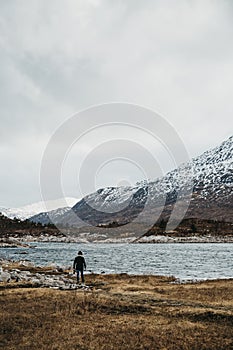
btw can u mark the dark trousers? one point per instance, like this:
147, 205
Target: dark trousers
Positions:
82, 276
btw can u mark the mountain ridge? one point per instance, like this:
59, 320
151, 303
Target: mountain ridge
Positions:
210, 185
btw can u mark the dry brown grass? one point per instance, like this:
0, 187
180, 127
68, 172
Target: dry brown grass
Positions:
121, 312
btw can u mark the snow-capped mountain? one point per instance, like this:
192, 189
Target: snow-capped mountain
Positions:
52, 216
30, 210
207, 178
213, 171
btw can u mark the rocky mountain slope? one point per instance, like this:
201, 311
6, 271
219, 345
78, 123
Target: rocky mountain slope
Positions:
211, 181
49, 217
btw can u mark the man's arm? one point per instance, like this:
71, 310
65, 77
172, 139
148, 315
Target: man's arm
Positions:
84, 263
74, 264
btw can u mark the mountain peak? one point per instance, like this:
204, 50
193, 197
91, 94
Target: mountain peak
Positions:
221, 153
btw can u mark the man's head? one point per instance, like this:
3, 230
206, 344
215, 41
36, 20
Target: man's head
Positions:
80, 253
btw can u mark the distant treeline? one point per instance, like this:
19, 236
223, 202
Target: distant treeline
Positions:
194, 226
10, 226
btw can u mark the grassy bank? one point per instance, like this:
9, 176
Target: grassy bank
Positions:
119, 312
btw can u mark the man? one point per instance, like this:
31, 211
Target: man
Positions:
79, 265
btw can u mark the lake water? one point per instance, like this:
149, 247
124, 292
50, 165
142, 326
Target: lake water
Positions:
192, 261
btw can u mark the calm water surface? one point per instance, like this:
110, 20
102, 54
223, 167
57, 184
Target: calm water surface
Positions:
185, 261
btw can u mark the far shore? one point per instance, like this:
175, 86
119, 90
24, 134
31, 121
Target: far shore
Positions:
21, 241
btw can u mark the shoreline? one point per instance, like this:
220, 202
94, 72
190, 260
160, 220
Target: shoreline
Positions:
61, 277
16, 241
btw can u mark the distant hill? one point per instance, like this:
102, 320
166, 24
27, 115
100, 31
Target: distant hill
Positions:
49, 217
30, 210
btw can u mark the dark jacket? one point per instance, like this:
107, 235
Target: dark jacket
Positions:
79, 263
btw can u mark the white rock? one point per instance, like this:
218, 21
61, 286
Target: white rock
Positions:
5, 276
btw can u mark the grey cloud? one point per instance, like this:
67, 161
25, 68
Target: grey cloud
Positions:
59, 57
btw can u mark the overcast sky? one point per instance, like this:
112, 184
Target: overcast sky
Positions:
58, 57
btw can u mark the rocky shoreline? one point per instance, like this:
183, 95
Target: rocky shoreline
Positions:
12, 243
21, 241
187, 239
25, 274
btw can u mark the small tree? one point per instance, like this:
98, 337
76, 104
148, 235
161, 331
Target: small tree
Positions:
162, 224
193, 228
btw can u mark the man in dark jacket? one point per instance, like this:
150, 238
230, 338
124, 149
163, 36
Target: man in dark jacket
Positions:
79, 265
